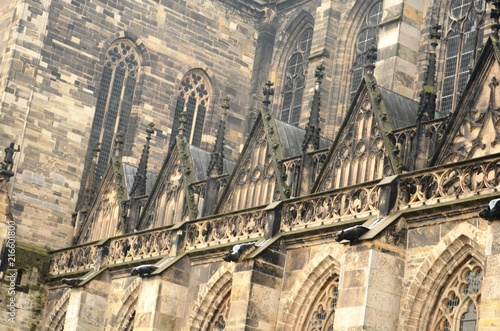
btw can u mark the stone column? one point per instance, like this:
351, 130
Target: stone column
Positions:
489, 317
369, 290
398, 45
163, 299
256, 292
86, 307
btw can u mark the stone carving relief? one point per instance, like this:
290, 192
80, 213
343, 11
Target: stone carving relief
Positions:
479, 131
218, 322
360, 155
254, 182
104, 218
168, 203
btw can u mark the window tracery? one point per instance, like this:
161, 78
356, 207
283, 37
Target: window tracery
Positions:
457, 308
322, 312
60, 324
114, 101
129, 322
463, 38
364, 41
295, 78
194, 98
218, 322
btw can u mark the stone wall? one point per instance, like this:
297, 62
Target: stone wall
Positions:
56, 62
392, 282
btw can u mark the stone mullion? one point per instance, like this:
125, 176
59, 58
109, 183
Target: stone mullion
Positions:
398, 46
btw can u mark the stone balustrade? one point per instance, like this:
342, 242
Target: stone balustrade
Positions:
74, 259
453, 183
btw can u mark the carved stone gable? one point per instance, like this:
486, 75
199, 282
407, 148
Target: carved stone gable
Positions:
167, 202
475, 130
104, 218
359, 153
253, 182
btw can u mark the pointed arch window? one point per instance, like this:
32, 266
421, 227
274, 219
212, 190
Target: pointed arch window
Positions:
194, 98
128, 324
114, 101
457, 307
364, 41
295, 78
218, 321
463, 38
322, 312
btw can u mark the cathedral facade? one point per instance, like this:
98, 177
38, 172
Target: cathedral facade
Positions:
298, 165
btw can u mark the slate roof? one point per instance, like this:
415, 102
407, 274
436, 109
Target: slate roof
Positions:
200, 161
130, 171
292, 137
401, 110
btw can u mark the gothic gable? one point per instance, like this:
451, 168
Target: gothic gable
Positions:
253, 181
166, 204
365, 147
105, 218
474, 129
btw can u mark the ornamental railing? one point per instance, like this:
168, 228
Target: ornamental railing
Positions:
330, 207
74, 259
432, 186
225, 229
448, 183
139, 246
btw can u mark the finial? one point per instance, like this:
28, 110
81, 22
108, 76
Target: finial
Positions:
215, 167
225, 106
118, 143
371, 58
268, 91
318, 74
182, 122
427, 105
139, 186
89, 191
495, 15
8, 161
96, 150
434, 36
150, 131
312, 135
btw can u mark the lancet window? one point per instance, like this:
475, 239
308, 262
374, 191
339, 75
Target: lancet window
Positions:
114, 101
194, 98
295, 78
457, 309
463, 38
322, 311
367, 37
